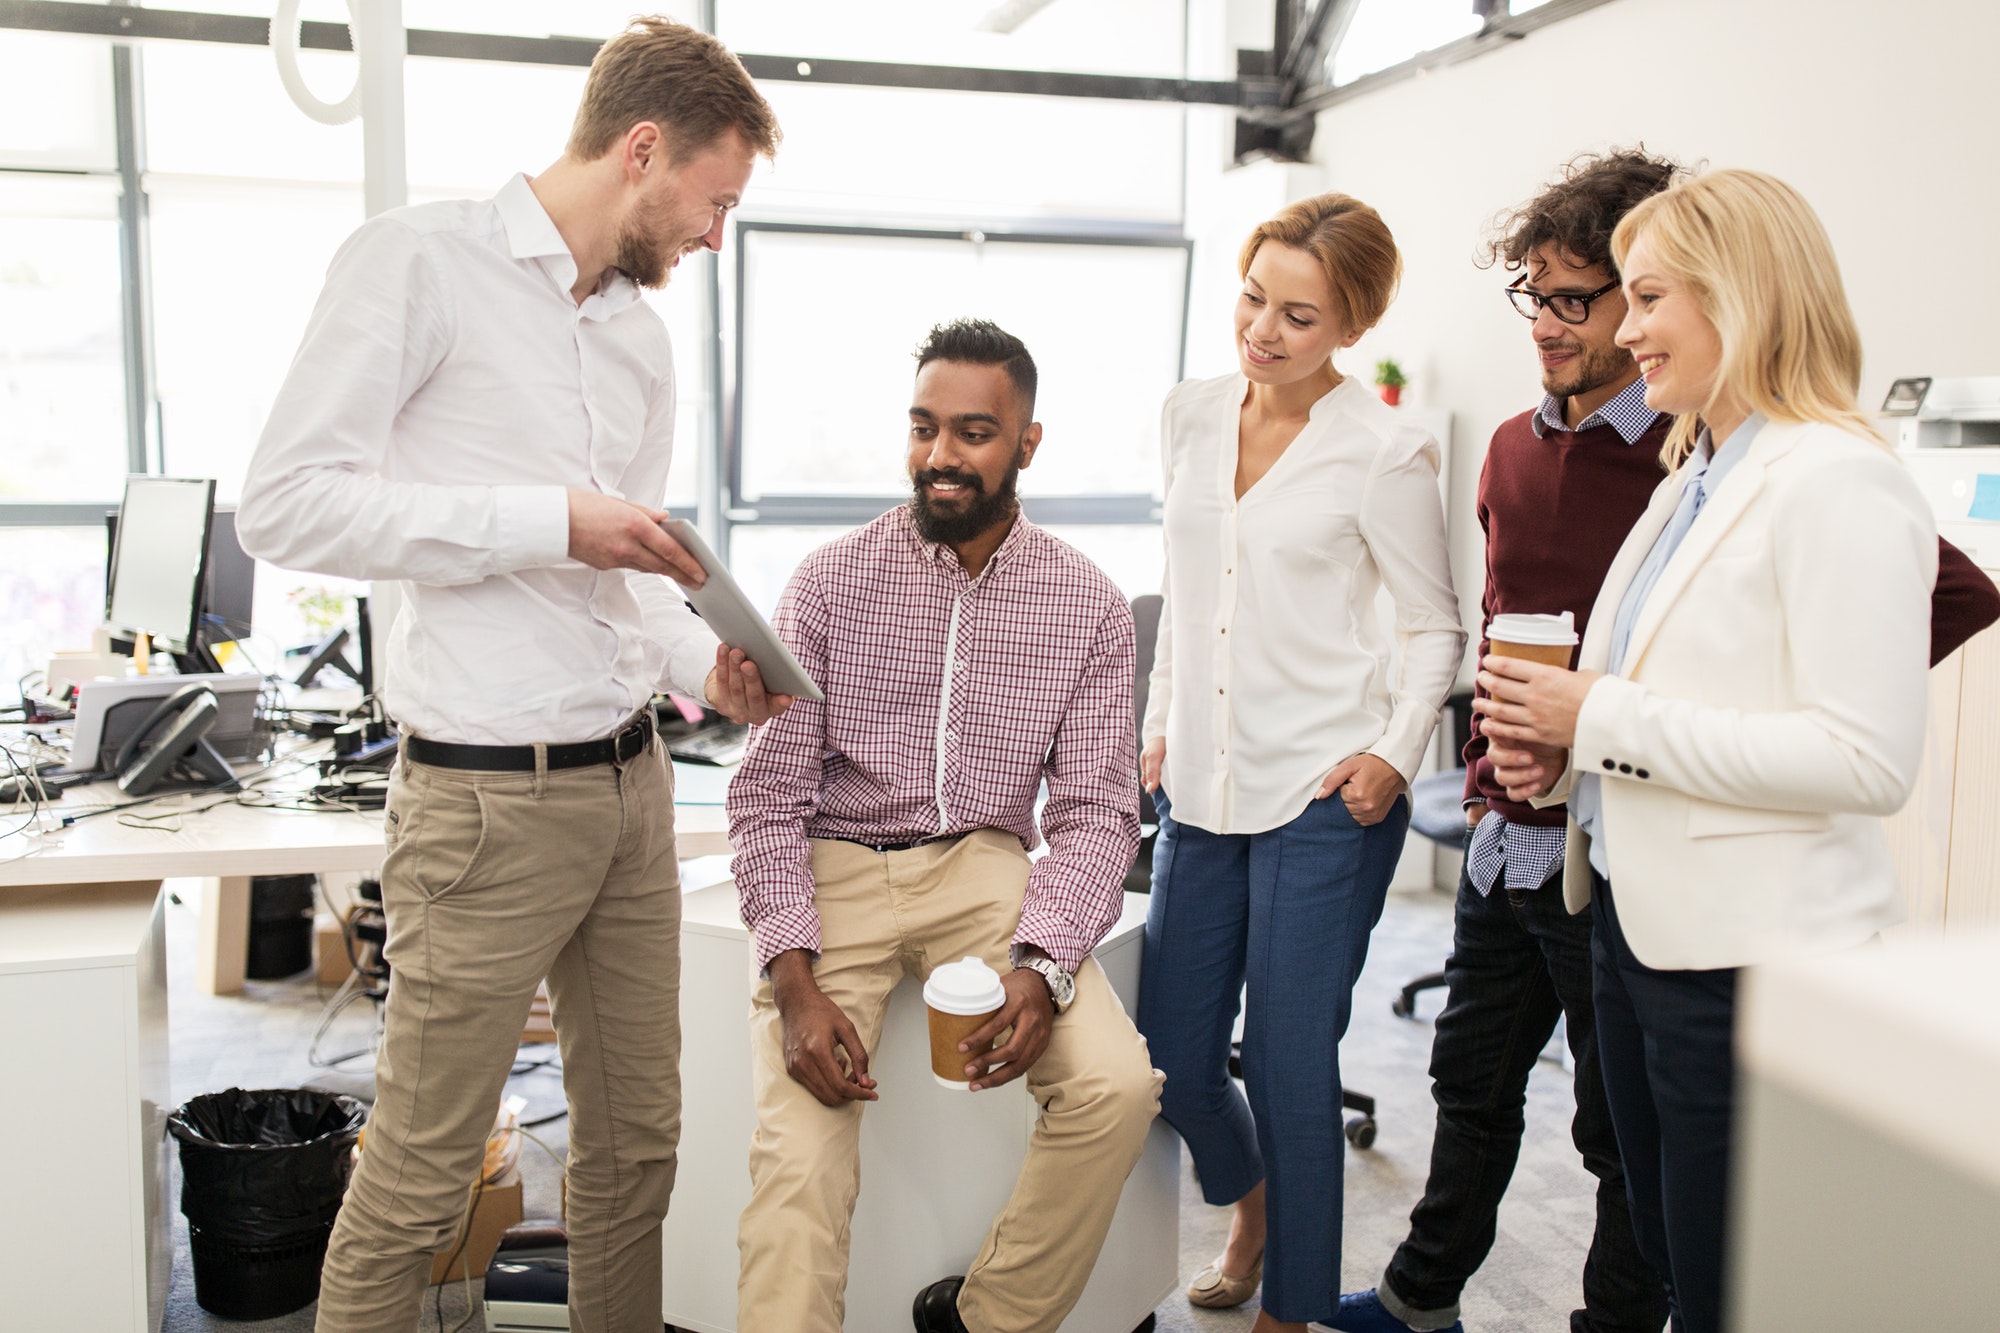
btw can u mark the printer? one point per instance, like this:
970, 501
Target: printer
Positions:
1947, 432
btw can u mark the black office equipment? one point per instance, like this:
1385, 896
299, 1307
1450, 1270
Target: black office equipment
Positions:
171, 743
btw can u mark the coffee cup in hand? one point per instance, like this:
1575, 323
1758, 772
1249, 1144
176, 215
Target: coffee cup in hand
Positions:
961, 996
1550, 640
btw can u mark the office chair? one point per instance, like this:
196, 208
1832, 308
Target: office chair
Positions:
1359, 1128
1437, 812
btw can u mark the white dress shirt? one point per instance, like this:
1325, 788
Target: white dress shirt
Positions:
448, 392
1272, 665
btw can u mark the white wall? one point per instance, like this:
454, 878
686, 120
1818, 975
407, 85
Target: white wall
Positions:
1883, 114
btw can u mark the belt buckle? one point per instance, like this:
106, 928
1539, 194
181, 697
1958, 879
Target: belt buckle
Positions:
630, 743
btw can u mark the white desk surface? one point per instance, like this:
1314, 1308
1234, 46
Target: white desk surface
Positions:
1917, 1016
232, 840
95, 925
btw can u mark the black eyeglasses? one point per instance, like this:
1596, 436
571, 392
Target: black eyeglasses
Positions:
1568, 307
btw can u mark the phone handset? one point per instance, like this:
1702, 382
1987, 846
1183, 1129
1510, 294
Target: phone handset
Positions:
174, 735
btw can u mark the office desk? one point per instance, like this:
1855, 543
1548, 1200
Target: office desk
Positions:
1867, 1169
83, 1167
227, 845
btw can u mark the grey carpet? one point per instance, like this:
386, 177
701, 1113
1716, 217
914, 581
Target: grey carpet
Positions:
1528, 1285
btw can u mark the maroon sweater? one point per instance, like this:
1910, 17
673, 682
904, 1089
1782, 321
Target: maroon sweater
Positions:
1555, 511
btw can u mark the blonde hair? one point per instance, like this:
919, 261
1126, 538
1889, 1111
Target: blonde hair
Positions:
1761, 268
681, 79
1351, 243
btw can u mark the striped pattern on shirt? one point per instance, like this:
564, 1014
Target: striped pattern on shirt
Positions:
950, 701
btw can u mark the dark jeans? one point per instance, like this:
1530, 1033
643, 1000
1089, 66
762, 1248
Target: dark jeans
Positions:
1518, 961
1667, 1039
1288, 912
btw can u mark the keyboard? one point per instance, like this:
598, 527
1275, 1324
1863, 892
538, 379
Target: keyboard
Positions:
720, 745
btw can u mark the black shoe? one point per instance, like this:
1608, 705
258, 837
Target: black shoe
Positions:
936, 1309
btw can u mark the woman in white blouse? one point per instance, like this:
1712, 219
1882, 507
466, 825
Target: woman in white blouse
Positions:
1750, 697
1279, 741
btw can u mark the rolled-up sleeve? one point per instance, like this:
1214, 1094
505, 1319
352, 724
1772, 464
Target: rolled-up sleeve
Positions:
776, 791
1075, 893
315, 497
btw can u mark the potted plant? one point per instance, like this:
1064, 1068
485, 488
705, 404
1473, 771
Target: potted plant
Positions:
1389, 381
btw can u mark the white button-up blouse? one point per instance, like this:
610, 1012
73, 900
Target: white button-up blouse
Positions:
1272, 665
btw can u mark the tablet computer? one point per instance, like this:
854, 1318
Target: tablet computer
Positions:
737, 623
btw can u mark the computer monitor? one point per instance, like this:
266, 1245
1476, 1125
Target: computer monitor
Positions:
229, 589
158, 561
228, 586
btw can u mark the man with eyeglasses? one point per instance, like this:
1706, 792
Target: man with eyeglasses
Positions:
1561, 487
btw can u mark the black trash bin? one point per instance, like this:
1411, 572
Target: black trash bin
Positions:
262, 1176
281, 926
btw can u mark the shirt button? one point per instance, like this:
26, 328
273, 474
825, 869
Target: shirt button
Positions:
1641, 773
1610, 765
1624, 768
1218, 689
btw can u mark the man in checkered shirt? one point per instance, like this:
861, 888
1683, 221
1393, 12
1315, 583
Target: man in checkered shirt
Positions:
967, 658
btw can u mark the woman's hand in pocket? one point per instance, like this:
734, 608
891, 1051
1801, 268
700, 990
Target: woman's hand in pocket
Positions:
1368, 785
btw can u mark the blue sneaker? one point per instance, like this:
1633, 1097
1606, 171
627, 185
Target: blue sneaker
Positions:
1362, 1312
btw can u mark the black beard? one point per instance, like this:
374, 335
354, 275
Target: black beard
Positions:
1594, 368
980, 513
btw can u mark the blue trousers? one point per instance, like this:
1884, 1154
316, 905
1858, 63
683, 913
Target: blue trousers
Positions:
1288, 912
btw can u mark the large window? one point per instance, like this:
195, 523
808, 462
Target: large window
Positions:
829, 319
153, 329
62, 369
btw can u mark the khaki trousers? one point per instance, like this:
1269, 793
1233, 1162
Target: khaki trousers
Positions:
885, 916
494, 881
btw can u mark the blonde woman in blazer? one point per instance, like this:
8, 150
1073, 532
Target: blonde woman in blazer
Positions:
1750, 695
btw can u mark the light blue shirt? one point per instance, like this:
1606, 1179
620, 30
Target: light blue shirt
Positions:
1704, 473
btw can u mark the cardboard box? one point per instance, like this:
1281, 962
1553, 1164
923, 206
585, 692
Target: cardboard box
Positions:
499, 1207
330, 962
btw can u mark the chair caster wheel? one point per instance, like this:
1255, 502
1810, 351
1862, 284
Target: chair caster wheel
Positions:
1402, 1006
1360, 1131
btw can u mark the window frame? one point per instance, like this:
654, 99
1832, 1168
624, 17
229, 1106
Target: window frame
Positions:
808, 510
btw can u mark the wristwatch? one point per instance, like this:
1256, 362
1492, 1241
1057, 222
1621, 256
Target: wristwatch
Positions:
1062, 986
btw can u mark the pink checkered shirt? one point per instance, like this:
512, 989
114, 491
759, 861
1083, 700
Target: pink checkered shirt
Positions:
1039, 649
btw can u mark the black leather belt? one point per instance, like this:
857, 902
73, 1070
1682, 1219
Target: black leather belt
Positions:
900, 846
628, 744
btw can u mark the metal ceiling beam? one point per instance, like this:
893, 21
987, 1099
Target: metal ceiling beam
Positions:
1497, 33
107, 20
1316, 40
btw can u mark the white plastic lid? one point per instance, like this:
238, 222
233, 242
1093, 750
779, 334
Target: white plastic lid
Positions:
967, 986
1557, 631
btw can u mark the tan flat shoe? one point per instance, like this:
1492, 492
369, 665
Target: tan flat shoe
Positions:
1213, 1291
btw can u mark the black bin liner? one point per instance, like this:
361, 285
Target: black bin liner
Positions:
262, 1176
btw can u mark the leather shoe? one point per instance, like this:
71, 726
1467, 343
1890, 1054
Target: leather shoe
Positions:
1212, 1290
1363, 1312
936, 1308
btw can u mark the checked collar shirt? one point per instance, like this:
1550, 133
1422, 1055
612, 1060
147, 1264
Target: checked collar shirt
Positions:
951, 701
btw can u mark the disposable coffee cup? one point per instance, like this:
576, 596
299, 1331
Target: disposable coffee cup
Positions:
1550, 640
961, 996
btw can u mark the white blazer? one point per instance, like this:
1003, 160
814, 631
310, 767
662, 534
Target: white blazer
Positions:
1770, 708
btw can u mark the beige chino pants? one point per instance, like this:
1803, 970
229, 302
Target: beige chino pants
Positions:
885, 916
494, 881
